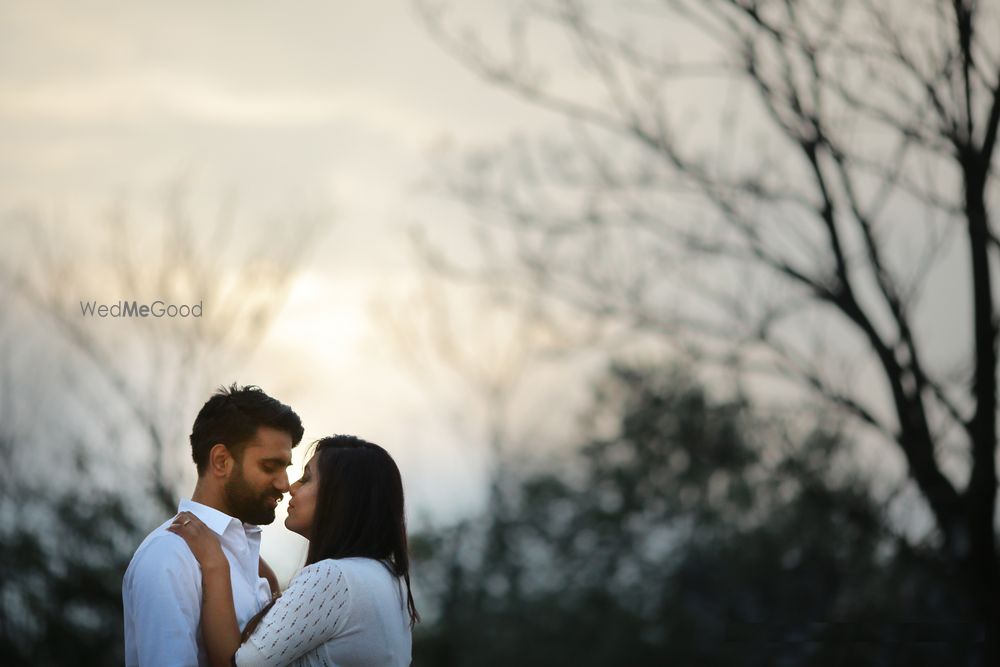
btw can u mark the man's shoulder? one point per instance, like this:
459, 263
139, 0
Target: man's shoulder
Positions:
162, 550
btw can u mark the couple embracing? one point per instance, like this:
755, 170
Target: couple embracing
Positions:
197, 591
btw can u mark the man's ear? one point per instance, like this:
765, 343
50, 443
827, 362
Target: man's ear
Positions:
220, 460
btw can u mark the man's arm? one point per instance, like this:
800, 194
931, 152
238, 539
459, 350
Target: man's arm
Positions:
264, 570
163, 600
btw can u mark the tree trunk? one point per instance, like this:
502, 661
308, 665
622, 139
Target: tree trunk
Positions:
980, 495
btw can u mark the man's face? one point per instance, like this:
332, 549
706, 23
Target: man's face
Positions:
258, 478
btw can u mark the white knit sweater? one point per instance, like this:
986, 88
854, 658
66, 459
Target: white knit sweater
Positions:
348, 612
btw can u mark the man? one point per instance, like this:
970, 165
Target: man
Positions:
242, 443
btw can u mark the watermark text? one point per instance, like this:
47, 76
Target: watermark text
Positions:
133, 308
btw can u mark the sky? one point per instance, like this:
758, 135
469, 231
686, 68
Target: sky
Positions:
332, 106
329, 106
334, 98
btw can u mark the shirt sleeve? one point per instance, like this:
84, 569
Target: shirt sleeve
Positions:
313, 610
163, 598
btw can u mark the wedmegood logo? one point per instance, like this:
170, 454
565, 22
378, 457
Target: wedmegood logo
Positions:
133, 308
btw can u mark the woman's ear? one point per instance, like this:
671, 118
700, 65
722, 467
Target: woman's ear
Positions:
220, 460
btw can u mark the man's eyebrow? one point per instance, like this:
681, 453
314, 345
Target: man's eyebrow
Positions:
277, 459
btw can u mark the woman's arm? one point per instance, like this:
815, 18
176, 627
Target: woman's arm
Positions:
313, 610
219, 628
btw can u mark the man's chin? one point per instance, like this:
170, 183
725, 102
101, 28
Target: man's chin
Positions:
259, 518
268, 519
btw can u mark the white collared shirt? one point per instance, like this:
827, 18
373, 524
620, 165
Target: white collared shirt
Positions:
162, 590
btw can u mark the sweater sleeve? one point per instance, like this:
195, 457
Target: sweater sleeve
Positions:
312, 611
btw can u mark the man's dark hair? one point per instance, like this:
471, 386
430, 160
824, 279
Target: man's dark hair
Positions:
232, 417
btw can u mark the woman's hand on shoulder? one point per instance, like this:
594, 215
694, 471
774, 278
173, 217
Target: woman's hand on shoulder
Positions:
201, 539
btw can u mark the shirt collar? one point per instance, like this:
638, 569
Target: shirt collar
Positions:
216, 520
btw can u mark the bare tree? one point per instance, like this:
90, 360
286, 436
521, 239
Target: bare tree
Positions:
94, 412
491, 367
481, 358
140, 377
841, 150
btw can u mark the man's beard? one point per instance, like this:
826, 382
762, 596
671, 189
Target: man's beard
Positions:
246, 504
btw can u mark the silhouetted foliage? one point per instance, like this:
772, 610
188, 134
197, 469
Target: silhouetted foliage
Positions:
64, 553
773, 184
695, 532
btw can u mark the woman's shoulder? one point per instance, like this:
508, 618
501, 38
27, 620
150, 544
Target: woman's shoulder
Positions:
337, 567
353, 565
326, 572
321, 568
349, 570
335, 576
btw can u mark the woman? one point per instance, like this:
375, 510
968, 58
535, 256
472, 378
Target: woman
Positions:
351, 603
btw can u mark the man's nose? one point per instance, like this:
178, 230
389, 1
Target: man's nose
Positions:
282, 483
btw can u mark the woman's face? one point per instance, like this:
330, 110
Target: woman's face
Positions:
302, 506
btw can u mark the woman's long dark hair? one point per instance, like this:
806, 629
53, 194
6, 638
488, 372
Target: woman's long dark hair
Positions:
359, 508
359, 511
